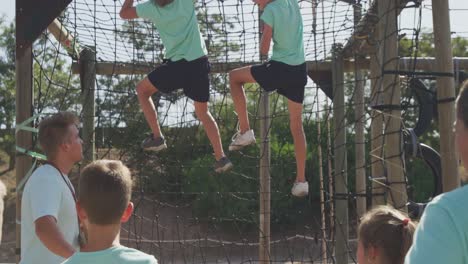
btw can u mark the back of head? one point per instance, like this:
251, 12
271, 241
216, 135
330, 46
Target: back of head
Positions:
389, 231
54, 130
105, 189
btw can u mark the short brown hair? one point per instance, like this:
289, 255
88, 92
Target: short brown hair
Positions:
462, 104
53, 131
105, 189
388, 230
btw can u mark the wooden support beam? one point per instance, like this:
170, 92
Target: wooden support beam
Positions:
341, 168
360, 140
406, 64
264, 236
88, 99
377, 139
358, 42
24, 104
445, 91
33, 17
394, 160
63, 36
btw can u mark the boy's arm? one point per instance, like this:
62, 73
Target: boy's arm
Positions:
266, 39
128, 11
48, 232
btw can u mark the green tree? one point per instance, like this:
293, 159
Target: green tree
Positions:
7, 88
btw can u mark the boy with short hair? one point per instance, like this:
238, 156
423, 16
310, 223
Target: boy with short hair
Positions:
286, 72
105, 189
49, 223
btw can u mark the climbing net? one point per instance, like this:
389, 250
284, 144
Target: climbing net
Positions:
186, 213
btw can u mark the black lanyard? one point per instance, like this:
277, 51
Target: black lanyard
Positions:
65, 180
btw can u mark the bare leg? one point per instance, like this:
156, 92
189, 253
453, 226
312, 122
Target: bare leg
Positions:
144, 91
300, 144
211, 128
237, 78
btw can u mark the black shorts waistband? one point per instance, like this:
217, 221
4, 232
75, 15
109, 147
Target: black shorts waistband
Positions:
184, 60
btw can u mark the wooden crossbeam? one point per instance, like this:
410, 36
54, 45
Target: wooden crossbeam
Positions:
406, 64
358, 43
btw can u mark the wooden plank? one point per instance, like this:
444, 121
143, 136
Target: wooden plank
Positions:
33, 17
359, 39
392, 96
88, 97
24, 102
360, 140
265, 166
63, 36
341, 175
445, 90
406, 64
377, 138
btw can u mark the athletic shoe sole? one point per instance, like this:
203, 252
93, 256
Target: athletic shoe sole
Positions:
156, 149
225, 168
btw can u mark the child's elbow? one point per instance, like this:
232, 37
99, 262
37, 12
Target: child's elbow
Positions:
264, 51
126, 14
122, 15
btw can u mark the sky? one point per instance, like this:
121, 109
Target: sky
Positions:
458, 14
459, 11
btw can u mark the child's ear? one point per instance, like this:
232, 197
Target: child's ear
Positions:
372, 253
81, 212
127, 213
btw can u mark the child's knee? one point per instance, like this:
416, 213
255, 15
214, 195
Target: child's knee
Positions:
143, 90
202, 114
234, 77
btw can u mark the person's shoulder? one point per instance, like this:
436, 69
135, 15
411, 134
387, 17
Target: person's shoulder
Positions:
277, 4
131, 255
42, 175
273, 5
459, 195
453, 202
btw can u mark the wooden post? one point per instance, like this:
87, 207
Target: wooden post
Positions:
331, 183
88, 81
341, 175
360, 119
445, 91
63, 36
265, 194
24, 103
377, 138
394, 160
324, 254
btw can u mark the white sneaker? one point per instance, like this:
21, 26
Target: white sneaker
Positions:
241, 140
300, 189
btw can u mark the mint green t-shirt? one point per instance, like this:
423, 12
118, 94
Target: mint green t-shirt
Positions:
178, 27
442, 234
286, 20
114, 255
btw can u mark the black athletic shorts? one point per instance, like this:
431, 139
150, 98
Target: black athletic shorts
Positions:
287, 80
192, 76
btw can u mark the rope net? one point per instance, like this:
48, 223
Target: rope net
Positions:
184, 212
